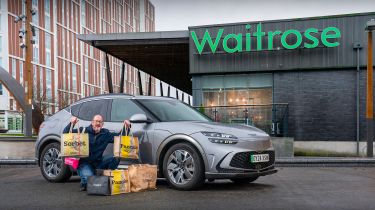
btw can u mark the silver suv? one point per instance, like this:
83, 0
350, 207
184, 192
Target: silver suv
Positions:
187, 147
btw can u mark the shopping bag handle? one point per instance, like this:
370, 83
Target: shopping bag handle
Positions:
79, 134
71, 128
126, 131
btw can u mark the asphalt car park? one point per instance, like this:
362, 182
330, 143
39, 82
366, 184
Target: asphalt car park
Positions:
290, 188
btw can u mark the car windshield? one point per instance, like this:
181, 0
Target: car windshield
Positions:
172, 110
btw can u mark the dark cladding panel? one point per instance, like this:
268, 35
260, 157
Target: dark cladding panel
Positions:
321, 57
322, 104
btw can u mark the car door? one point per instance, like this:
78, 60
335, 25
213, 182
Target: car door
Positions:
122, 109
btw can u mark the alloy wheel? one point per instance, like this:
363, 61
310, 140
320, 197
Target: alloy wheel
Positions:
52, 162
180, 167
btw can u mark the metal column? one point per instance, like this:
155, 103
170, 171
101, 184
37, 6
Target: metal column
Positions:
109, 76
122, 78
357, 47
161, 88
140, 83
370, 100
149, 85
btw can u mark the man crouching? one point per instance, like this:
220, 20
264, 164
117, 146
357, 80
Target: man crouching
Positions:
99, 138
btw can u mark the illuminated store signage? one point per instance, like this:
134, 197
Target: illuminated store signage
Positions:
312, 38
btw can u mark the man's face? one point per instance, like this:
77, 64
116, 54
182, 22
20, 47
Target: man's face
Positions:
97, 123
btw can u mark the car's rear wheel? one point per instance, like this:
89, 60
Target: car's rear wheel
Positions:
183, 167
51, 164
244, 180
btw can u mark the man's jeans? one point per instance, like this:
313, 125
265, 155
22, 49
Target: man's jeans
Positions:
86, 169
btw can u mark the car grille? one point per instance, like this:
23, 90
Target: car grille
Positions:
242, 160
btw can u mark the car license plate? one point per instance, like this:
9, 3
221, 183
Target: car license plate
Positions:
259, 158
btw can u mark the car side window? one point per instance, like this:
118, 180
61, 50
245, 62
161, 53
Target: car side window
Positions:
91, 108
75, 109
123, 109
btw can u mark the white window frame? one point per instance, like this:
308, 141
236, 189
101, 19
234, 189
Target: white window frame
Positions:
47, 15
48, 39
74, 75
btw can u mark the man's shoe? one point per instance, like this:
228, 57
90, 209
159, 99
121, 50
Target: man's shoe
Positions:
83, 187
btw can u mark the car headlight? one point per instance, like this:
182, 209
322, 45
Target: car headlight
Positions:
221, 138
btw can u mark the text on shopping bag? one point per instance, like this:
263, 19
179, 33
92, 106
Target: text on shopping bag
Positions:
126, 147
75, 145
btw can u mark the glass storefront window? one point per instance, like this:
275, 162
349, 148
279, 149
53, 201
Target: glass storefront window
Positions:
246, 104
10, 123
15, 123
231, 90
235, 97
238, 97
213, 98
2, 122
245, 99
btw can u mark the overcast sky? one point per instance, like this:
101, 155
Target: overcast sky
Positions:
179, 14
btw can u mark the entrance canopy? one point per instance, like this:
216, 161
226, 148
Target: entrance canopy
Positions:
164, 55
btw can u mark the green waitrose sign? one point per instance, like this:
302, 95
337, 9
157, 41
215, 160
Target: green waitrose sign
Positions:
328, 37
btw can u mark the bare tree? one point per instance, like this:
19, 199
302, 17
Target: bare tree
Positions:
41, 107
63, 100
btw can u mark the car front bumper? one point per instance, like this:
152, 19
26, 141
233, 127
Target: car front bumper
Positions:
210, 175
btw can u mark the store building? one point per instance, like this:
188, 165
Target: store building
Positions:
300, 75
310, 64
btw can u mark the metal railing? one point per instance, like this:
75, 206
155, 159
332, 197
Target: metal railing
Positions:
272, 118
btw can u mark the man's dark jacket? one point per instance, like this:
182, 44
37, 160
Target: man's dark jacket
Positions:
97, 142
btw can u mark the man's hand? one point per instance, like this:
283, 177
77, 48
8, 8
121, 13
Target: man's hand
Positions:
73, 120
127, 124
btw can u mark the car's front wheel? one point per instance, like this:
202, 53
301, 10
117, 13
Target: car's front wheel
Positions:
183, 167
51, 164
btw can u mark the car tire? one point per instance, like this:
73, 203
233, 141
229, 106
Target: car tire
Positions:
52, 166
183, 167
244, 180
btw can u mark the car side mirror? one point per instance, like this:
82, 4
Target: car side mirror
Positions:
139, 118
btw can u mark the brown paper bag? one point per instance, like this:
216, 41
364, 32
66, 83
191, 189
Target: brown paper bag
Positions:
142, 177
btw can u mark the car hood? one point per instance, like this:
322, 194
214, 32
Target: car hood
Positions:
190, 127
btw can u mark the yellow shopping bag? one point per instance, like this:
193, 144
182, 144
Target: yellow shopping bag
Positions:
75, 144
126, 146
119, 181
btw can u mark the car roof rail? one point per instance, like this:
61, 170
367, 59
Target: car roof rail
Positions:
94, 96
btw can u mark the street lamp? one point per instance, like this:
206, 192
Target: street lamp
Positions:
27, 33
370, 26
